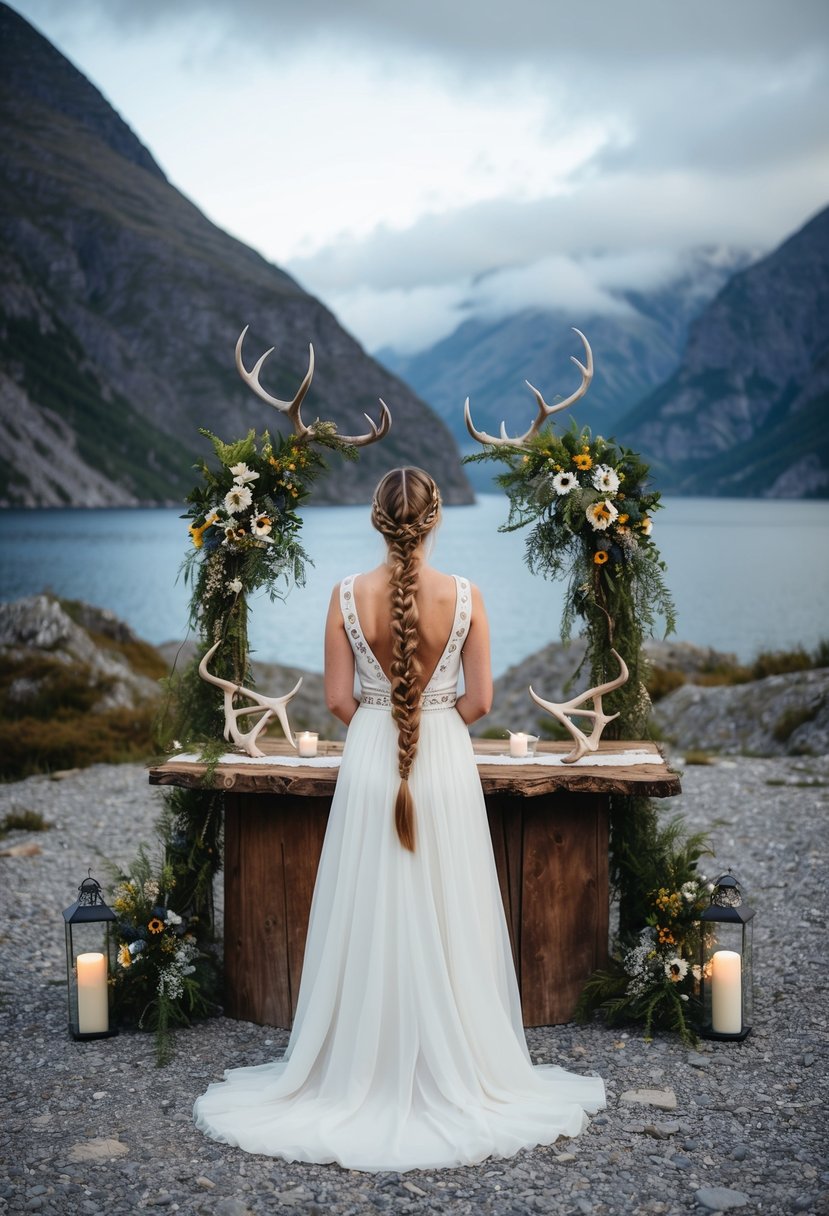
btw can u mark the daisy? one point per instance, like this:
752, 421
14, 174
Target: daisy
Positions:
563, 483
242, 474
237, 498
676, 969
605, 479
688, 890
601, 515
260, 524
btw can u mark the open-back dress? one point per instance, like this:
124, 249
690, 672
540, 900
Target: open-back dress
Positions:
407, 1049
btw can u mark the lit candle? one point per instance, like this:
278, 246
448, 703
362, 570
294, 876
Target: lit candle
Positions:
307, 743
726, 992
93, 996
517, 743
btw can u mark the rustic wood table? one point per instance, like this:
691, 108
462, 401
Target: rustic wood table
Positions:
549, 827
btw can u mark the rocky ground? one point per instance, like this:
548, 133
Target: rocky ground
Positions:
97, 1128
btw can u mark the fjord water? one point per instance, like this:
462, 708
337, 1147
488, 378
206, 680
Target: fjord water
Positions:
746, 574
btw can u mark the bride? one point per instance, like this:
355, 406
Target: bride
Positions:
407, 1050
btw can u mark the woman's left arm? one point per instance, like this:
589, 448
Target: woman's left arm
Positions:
339, 664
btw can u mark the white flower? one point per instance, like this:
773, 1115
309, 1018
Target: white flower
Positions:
606, 479
242, 474
696, 971
260, 524
646, 526
563, 483
688, 890
676, 968
172, 918
237, 499
601, 514
235, 585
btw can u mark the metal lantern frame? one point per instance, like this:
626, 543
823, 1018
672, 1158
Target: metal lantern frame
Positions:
88, 925
726, 928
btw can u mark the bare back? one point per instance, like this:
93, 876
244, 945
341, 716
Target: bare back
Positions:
436, 609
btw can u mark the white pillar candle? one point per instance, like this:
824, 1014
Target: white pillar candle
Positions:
93, 996
517, 743
726, 992
307, 743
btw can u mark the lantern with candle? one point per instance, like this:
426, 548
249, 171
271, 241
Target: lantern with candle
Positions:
90, 963
725, 963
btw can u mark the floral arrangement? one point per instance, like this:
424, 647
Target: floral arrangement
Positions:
162, 976
590, 507
654, 973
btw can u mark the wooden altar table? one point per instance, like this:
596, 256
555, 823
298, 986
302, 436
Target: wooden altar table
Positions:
549, 828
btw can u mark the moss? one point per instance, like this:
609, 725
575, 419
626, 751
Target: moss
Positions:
695, 756
51, 688
791, 719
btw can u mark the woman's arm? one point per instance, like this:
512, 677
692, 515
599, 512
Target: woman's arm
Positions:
339, 664
477, 667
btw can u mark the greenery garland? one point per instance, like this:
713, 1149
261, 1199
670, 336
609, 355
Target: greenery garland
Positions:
589, 507
244, 528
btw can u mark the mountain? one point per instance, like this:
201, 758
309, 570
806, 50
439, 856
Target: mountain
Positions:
747, 410
120, 305
635, 348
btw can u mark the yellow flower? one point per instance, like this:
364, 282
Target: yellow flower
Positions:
198, 533
124, 956
623, 518
583, 462
155, 925
600, 557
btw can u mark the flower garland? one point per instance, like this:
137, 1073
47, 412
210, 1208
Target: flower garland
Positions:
590, 509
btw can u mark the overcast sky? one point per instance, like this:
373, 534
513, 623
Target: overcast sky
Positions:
412, 163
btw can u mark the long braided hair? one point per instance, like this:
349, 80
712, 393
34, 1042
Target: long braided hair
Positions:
406, 507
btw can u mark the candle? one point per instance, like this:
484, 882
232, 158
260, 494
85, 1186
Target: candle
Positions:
93, 995
307, 743
517, 743
726, 992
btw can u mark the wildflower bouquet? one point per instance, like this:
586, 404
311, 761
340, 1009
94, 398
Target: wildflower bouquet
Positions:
590, 509
654, 976
162, 976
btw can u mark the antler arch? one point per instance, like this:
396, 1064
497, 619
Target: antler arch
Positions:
293, 409
545, 411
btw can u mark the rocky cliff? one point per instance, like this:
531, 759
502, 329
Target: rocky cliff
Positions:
120, 305
747, 411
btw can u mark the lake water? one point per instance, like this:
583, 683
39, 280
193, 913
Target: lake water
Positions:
746, 575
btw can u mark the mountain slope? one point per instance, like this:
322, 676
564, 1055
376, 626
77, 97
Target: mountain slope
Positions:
746, 411
120, 305
635, 348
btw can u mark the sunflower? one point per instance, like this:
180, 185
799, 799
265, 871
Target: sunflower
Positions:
583, 461
156, 925
600, 557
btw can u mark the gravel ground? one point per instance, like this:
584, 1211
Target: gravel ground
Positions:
97, 1128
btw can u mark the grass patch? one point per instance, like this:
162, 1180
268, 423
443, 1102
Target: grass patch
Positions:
73, 741
662, 680
23, 821
791, 719
696, 756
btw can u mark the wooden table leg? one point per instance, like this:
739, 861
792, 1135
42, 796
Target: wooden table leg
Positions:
272, 850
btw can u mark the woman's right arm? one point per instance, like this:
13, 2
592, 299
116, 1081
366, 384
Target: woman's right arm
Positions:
477, 666
339, 664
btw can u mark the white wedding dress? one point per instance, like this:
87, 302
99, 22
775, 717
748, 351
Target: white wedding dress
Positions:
408, 1049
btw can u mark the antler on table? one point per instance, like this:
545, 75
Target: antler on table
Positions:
585, 743
293, 408
266, 707
545, 411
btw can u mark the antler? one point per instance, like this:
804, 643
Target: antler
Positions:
585, 743
265, 706
292, 408
544, 410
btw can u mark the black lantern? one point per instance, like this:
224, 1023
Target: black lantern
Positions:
90, 963
725, 963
